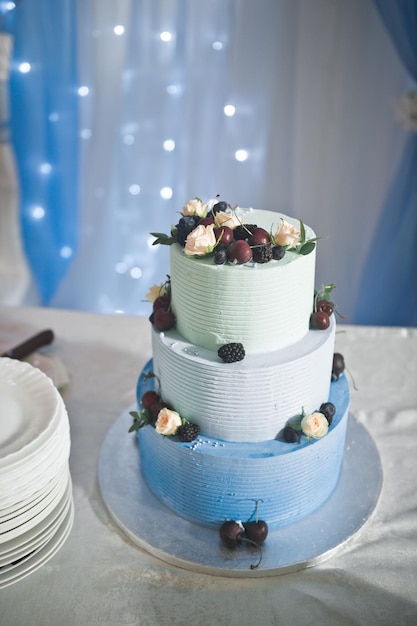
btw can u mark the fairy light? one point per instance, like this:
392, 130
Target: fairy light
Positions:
37, 212
83, 91
45, 168
25, 67
165, 36
119, 29
166, 193
134, 190
169, 145
229, 110
66, 252
241, 155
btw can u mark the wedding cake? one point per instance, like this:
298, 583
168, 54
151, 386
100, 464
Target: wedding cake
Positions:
244, 405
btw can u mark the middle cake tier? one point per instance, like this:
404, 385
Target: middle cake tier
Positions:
249, 400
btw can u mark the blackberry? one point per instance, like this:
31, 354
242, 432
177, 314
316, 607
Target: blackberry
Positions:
261, 254
188, 432
220, 257
231, 352
278, 252
244, 231
328, 409
185, 226
290, 434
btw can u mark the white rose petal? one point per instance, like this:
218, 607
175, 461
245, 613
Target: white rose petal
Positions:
200, 241
287, 235
227, 219
195, 207
314, 425
168, 422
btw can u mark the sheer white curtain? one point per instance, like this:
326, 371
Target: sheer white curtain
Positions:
313, 86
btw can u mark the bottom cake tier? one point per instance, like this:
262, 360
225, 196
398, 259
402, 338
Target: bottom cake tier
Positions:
209, 481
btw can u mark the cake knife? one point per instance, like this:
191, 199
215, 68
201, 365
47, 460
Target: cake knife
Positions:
22, 350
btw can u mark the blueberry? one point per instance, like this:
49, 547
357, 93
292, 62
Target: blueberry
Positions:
220, 257
290, 434
328, 409
219, 206
278, 252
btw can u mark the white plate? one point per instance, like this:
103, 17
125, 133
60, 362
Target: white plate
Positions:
41, 556
33, 478
50, 508
16, 463
12, 558
28, 403
51, 493
35, 535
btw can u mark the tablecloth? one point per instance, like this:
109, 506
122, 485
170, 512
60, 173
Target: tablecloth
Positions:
100, 577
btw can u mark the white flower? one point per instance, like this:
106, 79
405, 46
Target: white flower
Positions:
200, 241
168, 422
154, 292
287, 235
314, 425
195, 207
227, 219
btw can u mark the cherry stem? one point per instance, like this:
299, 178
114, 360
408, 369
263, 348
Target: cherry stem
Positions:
254, 565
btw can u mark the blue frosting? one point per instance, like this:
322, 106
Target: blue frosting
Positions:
208, 481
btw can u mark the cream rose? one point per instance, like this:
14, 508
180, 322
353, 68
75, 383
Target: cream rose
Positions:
168, 422
314, 425
287, 235
227, 219
195, 207
200, 241
154, 292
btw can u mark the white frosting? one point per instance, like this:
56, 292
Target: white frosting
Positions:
263, 306
249, 400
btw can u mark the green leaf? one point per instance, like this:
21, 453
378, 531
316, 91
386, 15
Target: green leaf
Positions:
139, 420
163, 239
307, 247
302, 232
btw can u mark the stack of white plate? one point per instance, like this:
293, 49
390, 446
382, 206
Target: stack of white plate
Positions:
36, 505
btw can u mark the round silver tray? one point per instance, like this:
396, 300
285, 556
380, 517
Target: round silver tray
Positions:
155, 528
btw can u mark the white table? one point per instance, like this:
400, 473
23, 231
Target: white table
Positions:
100, 578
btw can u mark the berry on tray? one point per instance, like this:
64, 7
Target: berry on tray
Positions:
231, 352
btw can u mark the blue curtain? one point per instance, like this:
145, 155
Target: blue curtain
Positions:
389, 290
44, 127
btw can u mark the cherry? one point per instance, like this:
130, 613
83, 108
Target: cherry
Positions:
155, 408
231, 533
239, 252
260, 237
206, 221
256, 531
223, 234
319, 320
149, 398
161, 302
163, 320
325, 306
338, 365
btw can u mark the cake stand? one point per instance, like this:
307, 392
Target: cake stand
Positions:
152, 526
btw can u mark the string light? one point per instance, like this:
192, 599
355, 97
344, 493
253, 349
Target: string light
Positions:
66, 252
119, 29
25, 67
83, 91
134, 190
229, 110
169, 145
37, 212
136, 272
241, 155
166, 193
165, 36
45, 168
217, 45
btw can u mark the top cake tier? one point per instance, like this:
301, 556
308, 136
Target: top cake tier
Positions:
265, 307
